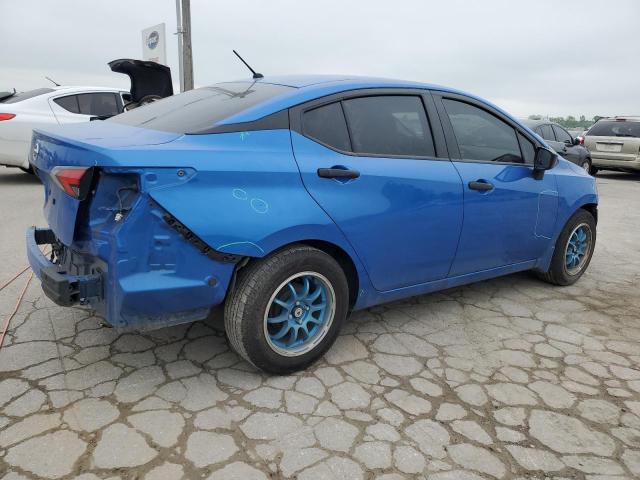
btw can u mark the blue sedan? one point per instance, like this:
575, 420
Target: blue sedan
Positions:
295, 200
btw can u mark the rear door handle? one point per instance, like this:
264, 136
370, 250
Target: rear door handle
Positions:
337, 173
481, 185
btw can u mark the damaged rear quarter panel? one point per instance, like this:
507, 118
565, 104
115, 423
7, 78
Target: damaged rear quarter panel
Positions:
151, 275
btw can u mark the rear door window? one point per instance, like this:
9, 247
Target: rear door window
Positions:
69, 103
99, 104
327, 125
482, 136
394, 125
561, 135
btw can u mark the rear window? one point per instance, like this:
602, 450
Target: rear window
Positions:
198, 110
19, 97
612, 128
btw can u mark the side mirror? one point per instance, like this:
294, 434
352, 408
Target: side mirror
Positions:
544, 160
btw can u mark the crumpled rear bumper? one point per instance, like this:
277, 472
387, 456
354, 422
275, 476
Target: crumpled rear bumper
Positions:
63, 288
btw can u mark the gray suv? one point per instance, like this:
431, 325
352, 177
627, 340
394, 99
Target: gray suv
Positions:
615, 144
562, 142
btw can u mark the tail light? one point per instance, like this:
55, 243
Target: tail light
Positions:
6, 116
75, 181
580, 139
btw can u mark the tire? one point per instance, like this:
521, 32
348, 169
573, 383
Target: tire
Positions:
593, 170
566, 270
262, 306
586, 165
28, 170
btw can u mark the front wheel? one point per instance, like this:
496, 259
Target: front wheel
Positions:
287, 309
574, 249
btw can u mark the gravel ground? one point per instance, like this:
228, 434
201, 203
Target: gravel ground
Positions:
510, 378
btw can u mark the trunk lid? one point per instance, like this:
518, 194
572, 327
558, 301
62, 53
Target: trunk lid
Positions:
82, 145
147, 78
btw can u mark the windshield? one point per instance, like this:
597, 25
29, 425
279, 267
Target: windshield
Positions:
613, 128
200, 109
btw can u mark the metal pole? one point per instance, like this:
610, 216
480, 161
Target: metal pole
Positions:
179, 34
187, 59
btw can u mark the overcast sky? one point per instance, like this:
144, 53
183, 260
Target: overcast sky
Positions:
554, 57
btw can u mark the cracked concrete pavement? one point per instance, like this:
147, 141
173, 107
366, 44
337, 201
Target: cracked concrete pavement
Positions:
509, 378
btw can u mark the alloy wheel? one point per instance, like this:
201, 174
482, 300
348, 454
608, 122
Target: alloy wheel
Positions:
299, 314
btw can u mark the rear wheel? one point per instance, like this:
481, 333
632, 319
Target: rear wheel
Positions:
586, 165
594, 170
574, 249
287, 309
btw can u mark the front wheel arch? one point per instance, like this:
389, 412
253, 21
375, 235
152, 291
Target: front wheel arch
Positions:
592, 208
556, 272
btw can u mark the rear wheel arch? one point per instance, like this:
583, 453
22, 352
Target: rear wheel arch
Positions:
346, 263
266, 331
335, 251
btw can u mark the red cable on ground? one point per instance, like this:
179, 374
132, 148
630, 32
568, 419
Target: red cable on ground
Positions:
24, 290
13, 278
15, 309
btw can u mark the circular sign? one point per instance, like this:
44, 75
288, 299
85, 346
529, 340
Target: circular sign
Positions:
153, 39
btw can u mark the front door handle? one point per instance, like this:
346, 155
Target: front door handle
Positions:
481, 185
337, 173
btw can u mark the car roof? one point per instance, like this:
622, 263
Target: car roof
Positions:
627, 118
66, 88
304, 88
303, 81
531, 123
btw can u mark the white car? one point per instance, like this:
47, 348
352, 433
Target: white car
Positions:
21, 112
